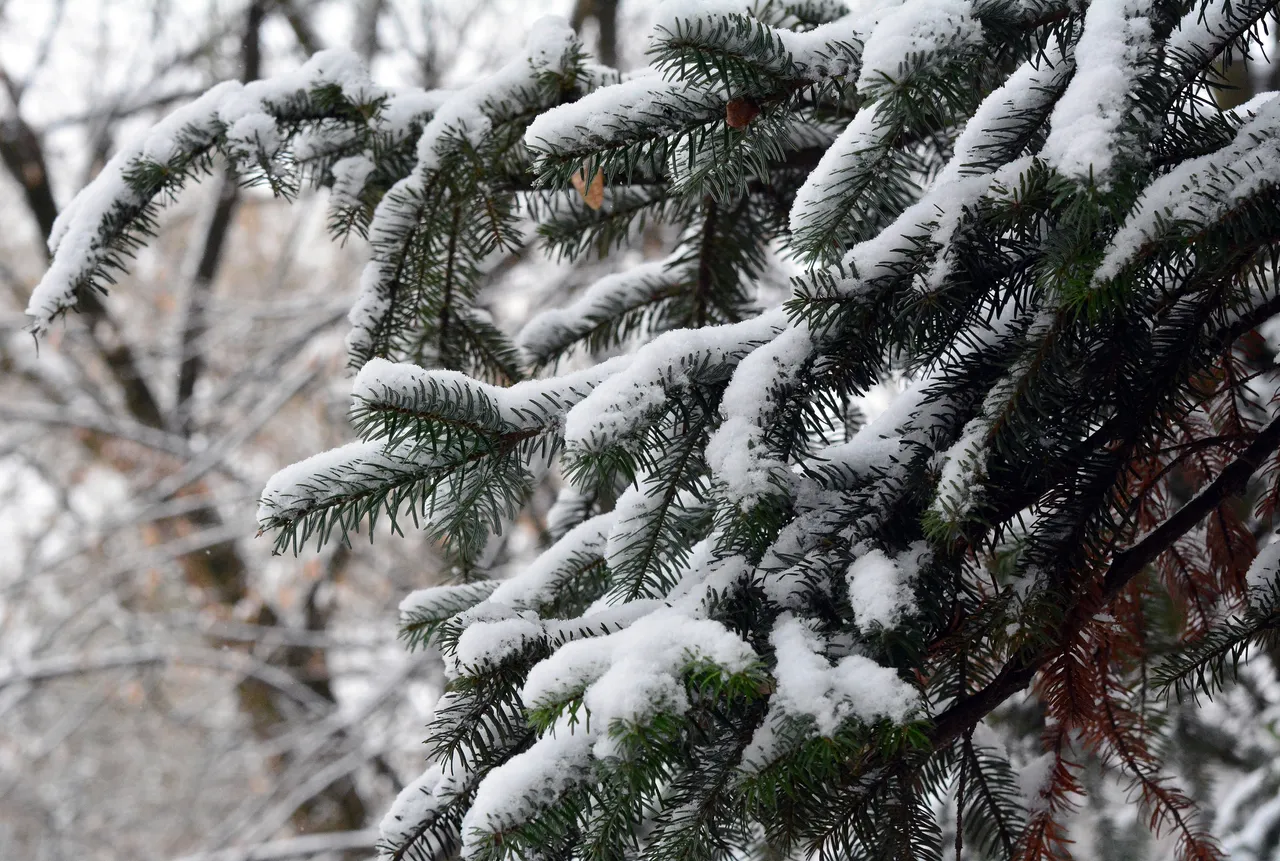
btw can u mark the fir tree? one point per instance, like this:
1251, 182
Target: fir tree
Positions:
766, 627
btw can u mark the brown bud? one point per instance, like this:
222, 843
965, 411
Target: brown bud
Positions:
739, 113
592, 193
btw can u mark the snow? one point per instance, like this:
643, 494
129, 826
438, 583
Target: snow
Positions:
1200, 190
1034, 778
962, 467
736, 453
373, 302
413, 804
900, 38
986, 737
439, 784
254, 133
632, 519
245, 112
908, 36
672, 14
943, 207
854, 688
350, 175
880, 588
536, 584
468, 113
598, 621
487, 642
879, 443
451, 598
458, 118
661, 644
325, 477
1030, 88
873, 464
407, 106
572, 506
1085, 129
514, 792
625, 696
626, 399
1203, 28
967, 177
547, 332
321, 141
862, 140
828, 50
645, 104
1265, 568
527, 405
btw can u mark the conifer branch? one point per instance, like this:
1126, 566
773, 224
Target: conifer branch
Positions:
1015, 675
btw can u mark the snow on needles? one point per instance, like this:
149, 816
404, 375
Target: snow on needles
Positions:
517, 790
434, 789
909, 35
1200, 190
1029, 89
1086, 128
549, 330
535, 584
326, 477
463, 117
633, 673
533, 405
526, 405
880, 587
861, 141
610, 113
1264, 571
468, 112
622, 403
828, 50
854, 687
736, 451
243, 115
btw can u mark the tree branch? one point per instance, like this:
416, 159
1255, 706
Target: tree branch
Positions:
191, 356
1019, 671
294, 847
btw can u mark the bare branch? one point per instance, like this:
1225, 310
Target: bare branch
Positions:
294, 847
61, 666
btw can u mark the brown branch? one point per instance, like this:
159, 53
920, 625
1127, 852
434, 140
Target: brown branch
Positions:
191, 357
1018, 672
301, 27
1231, 481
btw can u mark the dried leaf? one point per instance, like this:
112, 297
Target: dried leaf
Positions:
739, 113
593, 193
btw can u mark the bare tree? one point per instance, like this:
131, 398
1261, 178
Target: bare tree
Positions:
169, 411
168, 688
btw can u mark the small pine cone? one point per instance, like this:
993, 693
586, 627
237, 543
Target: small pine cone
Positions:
739, 113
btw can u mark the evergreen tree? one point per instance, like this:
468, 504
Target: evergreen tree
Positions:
766, 627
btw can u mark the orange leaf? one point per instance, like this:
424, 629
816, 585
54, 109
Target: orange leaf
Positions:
739, 113
592, 193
